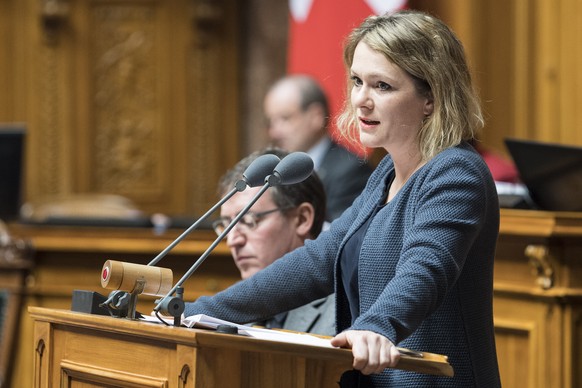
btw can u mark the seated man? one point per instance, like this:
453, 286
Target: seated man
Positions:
280, 221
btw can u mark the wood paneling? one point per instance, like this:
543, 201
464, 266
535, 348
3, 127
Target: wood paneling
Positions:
525, 60
143, 98
136, 98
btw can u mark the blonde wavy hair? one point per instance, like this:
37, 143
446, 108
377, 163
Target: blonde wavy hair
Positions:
430, 52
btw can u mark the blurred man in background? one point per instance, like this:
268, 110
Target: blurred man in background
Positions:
297, 112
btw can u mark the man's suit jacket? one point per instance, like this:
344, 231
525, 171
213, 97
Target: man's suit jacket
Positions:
317, 317
344, 176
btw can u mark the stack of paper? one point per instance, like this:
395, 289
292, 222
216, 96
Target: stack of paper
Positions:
205, 322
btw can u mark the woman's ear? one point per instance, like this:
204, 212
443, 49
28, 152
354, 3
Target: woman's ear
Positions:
304, 218
429, 105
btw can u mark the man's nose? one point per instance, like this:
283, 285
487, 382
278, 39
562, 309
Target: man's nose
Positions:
236, 236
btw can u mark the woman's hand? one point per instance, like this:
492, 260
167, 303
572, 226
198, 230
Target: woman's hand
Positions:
372, 352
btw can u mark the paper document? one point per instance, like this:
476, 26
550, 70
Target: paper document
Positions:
205, 322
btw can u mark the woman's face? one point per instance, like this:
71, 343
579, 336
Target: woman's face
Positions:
388, 106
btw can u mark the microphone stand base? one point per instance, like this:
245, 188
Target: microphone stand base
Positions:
174, 306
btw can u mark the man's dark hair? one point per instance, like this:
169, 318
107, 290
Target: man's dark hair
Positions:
285, 196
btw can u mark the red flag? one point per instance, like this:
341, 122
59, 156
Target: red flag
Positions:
317, 31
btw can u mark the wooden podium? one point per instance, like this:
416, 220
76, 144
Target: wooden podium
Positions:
76, 349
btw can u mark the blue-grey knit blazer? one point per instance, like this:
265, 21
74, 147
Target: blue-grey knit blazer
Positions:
425, 271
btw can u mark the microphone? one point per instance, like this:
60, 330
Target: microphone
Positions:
253, 176
260, 168
119, 275
139, 278
294, 168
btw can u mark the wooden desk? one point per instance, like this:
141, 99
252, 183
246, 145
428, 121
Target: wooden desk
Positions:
537, 300
69, 258
74, 349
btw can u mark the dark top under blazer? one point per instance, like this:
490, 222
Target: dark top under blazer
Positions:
425, 270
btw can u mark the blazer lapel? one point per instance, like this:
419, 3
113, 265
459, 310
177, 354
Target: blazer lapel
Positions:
303, 318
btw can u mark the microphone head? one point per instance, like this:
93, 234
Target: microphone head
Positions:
294, 168
258, 170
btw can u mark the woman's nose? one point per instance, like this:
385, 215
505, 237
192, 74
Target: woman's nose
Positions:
361, 98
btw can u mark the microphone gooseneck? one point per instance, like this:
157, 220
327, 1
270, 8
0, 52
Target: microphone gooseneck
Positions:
256, 171
254, 175
294, 168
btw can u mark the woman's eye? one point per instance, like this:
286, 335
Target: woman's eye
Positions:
384, 86
356, 81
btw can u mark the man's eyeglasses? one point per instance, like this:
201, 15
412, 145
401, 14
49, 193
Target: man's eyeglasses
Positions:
249, 220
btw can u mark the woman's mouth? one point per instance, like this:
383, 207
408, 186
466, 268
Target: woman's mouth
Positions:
366, 123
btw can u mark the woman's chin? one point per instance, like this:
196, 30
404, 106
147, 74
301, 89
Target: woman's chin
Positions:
368, 140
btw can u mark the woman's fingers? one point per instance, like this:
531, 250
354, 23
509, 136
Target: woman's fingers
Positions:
372, 352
